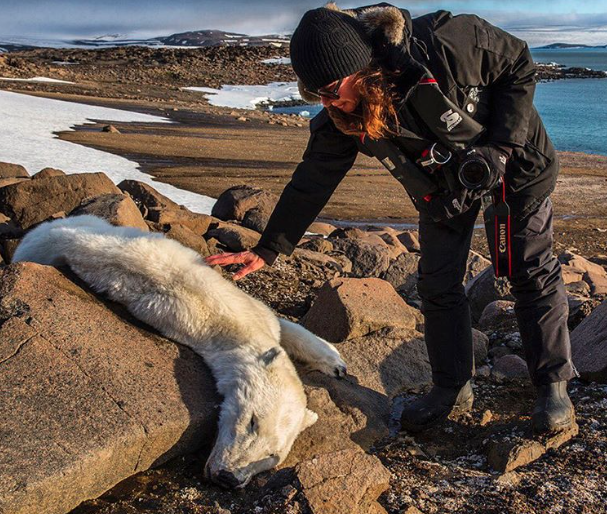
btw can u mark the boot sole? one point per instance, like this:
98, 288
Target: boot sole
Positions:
554, 428
460, 408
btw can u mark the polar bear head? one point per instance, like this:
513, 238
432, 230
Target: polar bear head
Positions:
263, 412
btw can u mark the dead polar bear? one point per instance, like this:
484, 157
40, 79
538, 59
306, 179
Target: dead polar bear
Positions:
172, 289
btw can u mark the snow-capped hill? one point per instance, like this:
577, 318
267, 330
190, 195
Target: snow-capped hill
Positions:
221, 38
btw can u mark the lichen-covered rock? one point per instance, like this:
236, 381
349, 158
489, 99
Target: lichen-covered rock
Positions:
368, 260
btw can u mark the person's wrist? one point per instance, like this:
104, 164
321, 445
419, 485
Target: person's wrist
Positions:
268, 256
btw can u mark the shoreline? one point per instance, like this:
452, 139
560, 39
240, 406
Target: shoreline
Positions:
210, 149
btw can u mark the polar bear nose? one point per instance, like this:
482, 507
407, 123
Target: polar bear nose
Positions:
226, 479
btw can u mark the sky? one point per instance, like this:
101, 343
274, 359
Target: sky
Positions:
539, 21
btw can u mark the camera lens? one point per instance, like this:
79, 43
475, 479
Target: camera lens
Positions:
474, 174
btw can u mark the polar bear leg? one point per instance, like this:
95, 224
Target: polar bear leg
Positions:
302, 345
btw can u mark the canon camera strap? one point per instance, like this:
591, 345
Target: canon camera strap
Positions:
497, 225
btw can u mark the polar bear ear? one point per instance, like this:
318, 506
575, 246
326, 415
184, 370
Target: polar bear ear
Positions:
310, 418
267, 358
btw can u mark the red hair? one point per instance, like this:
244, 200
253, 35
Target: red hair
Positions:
375, 115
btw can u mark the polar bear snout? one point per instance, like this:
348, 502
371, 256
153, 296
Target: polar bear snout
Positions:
226, 479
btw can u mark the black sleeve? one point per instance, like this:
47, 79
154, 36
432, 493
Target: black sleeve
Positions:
483, 55
329, 156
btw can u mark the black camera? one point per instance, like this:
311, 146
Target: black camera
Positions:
475, 173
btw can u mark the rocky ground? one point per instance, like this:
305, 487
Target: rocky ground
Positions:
451, 468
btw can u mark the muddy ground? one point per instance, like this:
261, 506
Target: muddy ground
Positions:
208, 150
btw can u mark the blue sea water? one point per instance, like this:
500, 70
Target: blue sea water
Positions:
574, 110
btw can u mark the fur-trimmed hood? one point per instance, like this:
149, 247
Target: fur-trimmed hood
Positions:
389, 29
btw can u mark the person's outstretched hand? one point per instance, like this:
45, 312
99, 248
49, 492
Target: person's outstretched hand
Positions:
252, 262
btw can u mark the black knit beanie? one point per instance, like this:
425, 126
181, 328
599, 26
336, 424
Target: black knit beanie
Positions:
328, 45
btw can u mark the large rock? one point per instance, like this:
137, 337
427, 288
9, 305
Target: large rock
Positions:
402, 273
410, 239
11, 180
34, 201
475, 264
150, 202
343, 482
368, 260
390, 361
350, 308
236, 202
235, 237
88, 396
8, 170
321, 228
577, 268
589, 345
508, 450
120, 210
187, 238
485, 288
48, 173
196, 222
509, 367
498, 316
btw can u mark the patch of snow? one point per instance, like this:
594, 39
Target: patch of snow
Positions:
304, 113
29, 139
248, 97
37, 79
64, 63
277, 60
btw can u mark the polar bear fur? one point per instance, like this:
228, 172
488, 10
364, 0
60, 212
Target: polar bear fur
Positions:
171, 288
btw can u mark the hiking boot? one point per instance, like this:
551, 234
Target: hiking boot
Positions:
434, 407
553, 410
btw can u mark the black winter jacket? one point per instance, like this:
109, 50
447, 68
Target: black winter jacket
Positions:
481, 68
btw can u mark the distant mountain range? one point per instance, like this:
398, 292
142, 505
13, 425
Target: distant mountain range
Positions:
196, 38
568, 45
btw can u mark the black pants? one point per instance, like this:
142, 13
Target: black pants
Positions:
536, 283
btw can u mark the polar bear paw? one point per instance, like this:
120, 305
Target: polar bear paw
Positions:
331, 363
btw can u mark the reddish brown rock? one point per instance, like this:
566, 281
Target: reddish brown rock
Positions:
350, 308
389, 361
120, 210
89, 397
48, 173
33, 201
368, 260
410, 239
475, 264
14, 180
321, 228
8, 247
510, 367
8, 170
317, 245
508, 451
234, 203
498, 315
594, 274
402, 273
187, 238
235, 237
343, 482
485, 288
589, 345
197, 223
150, 202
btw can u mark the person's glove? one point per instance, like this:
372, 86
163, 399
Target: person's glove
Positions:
446, 206
483, 167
